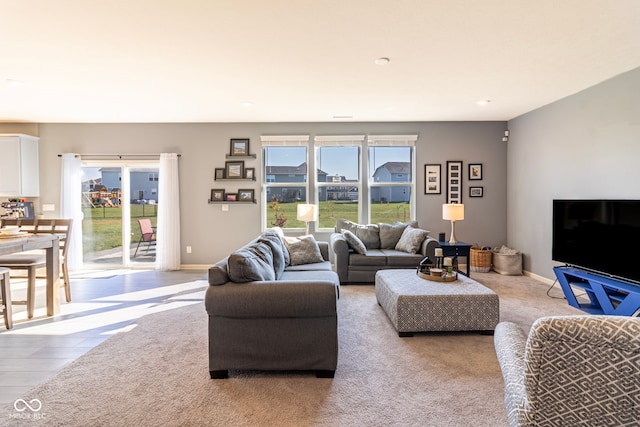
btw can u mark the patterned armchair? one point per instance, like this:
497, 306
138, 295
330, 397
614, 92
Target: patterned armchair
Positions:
571, 371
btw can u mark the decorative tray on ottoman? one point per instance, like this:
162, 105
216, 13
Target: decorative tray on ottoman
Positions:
446, 278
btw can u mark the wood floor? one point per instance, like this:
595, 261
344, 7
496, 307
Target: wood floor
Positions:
103, 303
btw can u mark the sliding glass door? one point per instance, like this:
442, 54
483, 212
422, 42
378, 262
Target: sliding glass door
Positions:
120, 208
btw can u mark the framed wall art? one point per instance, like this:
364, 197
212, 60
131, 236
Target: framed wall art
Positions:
454, 181
245, 195
475, 171
476, 191
234, 169
250, 173
239, 147
219, 174
217, 195
230, 197
432, 179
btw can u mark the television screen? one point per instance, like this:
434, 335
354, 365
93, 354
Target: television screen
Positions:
598, 235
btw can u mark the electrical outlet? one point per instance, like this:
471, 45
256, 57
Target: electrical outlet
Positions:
48, 207
225, 208
188, 249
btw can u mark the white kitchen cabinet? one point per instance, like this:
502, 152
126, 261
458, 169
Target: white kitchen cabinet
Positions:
19, 167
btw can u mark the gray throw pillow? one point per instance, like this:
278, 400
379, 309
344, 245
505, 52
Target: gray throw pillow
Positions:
280, 232
390, 234
251, 263
369, 234
411, 240
271, 238
354, 242
303, 250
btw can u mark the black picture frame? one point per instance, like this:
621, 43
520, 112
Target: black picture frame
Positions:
475, 171
250, 173
234, 169
476, 191
239, 147
231, 197
454, 181
217, 195
247, 195
433, 178
219, 173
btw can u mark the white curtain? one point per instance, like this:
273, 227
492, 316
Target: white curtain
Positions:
168, 227
71, 206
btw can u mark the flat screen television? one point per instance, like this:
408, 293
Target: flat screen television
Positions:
598, 235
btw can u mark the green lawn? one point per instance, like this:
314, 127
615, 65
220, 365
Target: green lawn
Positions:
330, 211
102, 227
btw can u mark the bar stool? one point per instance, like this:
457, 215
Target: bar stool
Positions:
6, 297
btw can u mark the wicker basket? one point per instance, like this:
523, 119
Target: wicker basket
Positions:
480, 260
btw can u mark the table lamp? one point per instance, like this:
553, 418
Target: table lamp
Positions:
453, 212
307, 213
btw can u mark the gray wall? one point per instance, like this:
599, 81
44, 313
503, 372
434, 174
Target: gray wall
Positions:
212, 233
583, 146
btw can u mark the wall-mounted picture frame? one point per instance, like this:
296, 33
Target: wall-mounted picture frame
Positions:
234, 169
454, 181
246, 195
250, 173
239, 147
475, 171
230, 197
217, 195
432, 179
476, 191
219, 173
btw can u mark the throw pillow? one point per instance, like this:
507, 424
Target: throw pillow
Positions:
411, 240
271, 238
390, 234
251, 263
280, 232
303, 250
354, 242
369, 234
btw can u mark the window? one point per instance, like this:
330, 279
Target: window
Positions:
285, 160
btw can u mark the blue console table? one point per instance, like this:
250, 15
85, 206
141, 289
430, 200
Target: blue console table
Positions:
606, 295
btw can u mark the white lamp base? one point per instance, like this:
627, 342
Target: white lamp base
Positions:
452, 239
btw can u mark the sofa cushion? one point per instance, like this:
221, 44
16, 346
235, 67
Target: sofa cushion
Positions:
369, 234
280, 232
401, 259
353, 241
411, 240
251, 263
300, 276
390, 234
373, 257
218, 273
272, 239
316, 266
303, 250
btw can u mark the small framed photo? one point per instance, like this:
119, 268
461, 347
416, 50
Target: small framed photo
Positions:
476, 191
454, 181
217, 195
432, 179
234, 169
475, 171
245, 195
231, 197
239, 147
219, 174
250, 173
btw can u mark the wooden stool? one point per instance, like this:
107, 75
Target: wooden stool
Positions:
6, 297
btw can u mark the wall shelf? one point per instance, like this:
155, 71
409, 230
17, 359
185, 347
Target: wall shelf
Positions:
232, 202
234, 179
247, 157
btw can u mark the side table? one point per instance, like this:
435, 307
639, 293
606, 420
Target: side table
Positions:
457, 249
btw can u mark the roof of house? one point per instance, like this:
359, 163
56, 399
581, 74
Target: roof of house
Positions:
395, 167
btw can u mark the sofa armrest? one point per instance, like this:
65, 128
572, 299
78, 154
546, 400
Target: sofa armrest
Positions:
428, 247
324, 249
272, 299
339, 255
510, 342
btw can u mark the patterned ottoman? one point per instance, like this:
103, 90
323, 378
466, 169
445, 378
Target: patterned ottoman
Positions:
414, 304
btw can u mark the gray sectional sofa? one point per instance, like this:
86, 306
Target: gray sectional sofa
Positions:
272, 306
359, 251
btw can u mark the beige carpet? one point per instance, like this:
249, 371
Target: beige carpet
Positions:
157, 374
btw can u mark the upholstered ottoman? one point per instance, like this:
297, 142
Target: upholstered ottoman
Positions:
414, 304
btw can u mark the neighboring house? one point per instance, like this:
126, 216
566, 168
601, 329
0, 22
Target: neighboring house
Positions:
144, 183
344, 191
392, 172
297, 175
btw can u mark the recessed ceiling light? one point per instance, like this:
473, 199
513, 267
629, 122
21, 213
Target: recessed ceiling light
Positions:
382, 61
483, 102
247, 104
15, 83
342, 117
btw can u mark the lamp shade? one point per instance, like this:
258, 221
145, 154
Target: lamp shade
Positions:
307, 213
453, 211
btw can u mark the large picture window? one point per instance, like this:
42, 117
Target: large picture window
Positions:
391, 172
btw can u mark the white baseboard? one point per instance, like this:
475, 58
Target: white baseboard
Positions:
195, 266
538, 278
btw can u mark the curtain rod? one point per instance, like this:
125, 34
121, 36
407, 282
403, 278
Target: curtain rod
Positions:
119, 156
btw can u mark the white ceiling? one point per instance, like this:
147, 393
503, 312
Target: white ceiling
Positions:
305, 60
